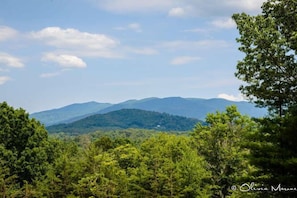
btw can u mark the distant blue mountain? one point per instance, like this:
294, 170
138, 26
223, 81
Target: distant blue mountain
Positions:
187, 107
68, 113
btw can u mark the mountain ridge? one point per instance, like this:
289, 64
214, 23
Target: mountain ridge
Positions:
68, 112
127, 118
187, 107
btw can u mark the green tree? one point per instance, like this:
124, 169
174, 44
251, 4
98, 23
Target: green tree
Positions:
8, 185
221, 142
104, 143
269, 68
274, 153
26, 141
169, 167
102, 174
64, 171
127, 156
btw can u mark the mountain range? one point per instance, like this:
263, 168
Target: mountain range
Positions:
125, 119
187, 107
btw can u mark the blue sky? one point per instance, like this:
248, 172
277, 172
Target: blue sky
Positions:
58, 52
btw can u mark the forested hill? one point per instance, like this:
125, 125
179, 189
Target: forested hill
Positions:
127, 118
188, 107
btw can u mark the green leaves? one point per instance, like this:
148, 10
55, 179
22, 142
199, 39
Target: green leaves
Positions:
170, 167
274, 150
26, 141
269, 71
221, 143
269, 65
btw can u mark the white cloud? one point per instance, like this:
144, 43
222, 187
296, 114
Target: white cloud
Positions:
120, 28
239, 97
197, 30
245, 5
132, 26
122, 6
177, 12
224, 23
181, 60
201, 44
135, 26
4, 79
69, 38
191, 7
65, 60
143, 51
10, 60
49, 75
77, 42
7, 33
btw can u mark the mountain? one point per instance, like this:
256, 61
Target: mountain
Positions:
69, 113
127, 118
187, 107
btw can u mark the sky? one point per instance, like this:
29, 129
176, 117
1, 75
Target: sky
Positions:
59, 52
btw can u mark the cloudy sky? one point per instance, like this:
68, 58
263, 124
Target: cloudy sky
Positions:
58, 52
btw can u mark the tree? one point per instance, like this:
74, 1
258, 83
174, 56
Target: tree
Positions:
284, 12
64, 171
274, 153
269, 68
222, 143
8, 185
26, 142
127, 156
102, 174
169, 167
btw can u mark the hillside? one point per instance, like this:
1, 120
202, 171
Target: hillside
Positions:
127, 118
187, 107
69, 113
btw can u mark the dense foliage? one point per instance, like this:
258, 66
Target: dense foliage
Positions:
269, 69
24, 149
161, 165
127, 118
274, 153
222, 140
230, 150
269, 43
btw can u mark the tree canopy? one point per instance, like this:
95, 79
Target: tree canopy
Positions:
221, 143
23, 150
269, 68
